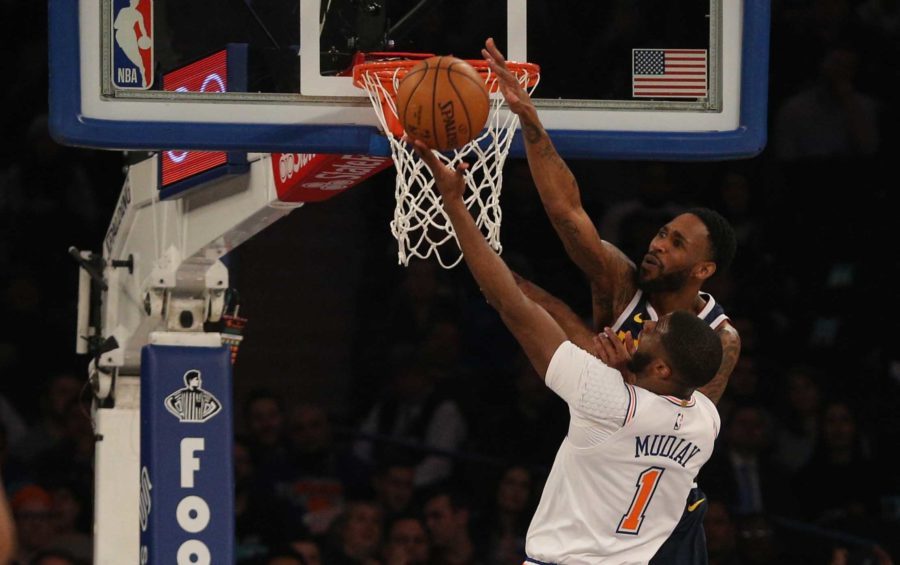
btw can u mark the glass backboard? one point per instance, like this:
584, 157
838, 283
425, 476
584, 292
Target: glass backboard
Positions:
679, 79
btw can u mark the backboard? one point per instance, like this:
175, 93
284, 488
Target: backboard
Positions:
667, 79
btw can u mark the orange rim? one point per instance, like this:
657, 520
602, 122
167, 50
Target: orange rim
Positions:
387, 71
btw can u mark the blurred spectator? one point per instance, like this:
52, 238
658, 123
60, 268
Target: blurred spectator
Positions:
413, 411
758, 542
264, 421
508, 519
744, 383
441, 350
356, 535
72, 522
61, 391
830, 119
528, 423
70, 460
875, 555
841, 457
447, 516
630, 224
797, 428
721, 538
419, 302
735, 202
406, 542
262, 520
309, 550
740, 471
32, 508
319, 473
393, 484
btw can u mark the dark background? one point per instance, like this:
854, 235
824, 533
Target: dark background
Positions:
814, 283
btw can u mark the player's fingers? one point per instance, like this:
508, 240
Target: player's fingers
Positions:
600, 351
621, 348
426, 154
495, 53
607, 347
504, 76
629, 343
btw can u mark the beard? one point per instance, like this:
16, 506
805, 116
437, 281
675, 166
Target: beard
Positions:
639, 361
666, 282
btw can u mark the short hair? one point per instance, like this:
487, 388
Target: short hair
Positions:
191, 375
722, 241
693, 348
261, 394
456, 494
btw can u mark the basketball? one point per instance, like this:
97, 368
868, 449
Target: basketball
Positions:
443, 101
144, 42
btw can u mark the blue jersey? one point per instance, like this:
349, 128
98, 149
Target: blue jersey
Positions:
639, 309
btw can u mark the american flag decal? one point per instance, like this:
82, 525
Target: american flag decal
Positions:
669, 73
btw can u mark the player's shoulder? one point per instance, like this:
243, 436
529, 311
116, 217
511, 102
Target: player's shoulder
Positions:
708, 407
728, 334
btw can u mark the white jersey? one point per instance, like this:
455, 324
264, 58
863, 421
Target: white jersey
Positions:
619, 483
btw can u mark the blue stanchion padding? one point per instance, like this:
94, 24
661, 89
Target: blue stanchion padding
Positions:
187, 493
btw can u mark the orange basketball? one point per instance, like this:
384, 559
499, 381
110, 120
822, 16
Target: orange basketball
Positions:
443, 101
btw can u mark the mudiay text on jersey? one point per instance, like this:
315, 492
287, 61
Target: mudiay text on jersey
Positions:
672, 447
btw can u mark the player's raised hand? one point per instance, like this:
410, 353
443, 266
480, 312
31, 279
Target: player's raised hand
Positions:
615, 352
450, 183
516, 96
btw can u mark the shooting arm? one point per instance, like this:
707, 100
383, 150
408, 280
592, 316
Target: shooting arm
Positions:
731, 350
606, 267
561, 198
576, 330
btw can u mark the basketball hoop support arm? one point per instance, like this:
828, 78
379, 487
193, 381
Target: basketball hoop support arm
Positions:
163, 274
177, 281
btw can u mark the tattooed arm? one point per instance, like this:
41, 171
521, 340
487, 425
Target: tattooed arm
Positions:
608, 269
731, 350
576, 330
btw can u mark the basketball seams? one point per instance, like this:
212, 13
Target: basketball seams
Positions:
434, 127
412, 90
446, 89
479, 84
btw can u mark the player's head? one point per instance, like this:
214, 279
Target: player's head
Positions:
678, 353
690, 248
192, 379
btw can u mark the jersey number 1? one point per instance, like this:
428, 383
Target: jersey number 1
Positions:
646, 486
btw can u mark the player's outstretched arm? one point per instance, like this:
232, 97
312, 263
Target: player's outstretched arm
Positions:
604, 265
538, 334
731, 351
576, 330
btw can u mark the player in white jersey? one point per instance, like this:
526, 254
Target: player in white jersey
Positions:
618, 485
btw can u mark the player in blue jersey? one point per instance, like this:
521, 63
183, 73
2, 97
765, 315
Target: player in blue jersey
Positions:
681, 257
617, 487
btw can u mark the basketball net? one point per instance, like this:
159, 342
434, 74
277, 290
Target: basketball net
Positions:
420, 225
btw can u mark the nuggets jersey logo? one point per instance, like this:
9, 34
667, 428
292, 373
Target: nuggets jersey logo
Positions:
192, 403
132, 44
639, 310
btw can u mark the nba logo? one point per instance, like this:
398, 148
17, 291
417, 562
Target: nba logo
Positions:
132, 44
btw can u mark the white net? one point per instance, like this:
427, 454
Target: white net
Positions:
420, 226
